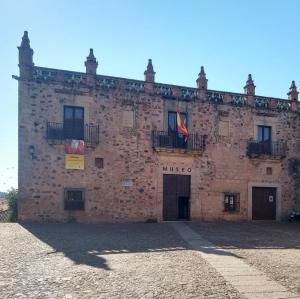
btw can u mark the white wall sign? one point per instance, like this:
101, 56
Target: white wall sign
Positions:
127, 183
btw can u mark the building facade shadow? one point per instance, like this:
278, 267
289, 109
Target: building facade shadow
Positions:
89, 243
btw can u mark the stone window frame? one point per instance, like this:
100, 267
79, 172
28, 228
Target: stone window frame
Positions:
78, 101
76, 205
235, 207
267, 122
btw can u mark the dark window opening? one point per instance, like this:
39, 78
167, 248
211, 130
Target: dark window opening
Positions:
178, 139
264, 139
74, 122
74, 199
99, 162
269, 170
231, 202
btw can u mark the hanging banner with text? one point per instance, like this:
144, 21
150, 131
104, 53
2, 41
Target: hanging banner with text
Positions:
74, 161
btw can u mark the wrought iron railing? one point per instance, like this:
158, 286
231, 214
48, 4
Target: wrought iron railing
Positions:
163, 140
275, 149
57, 132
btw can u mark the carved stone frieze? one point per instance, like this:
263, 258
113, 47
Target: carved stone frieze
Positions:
135, 86
106, 82
262, 103
163, 90
189, 93
238, 100
215, 97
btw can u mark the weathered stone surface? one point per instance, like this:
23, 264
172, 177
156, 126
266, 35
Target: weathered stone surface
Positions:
127, 111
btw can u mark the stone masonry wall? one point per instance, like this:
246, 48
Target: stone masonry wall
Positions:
126, 120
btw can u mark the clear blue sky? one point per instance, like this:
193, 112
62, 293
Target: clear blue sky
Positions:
230, 38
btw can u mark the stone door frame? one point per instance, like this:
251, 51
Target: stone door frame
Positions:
190, 169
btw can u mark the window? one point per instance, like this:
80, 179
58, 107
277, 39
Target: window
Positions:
178, 139
231, 202
269, 170
172, 120
99, 163
74, 199
74, 122
264, 139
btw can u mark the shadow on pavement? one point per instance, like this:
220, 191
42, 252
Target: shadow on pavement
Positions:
89, 243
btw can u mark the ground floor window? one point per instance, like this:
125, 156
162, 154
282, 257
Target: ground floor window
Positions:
231, 202
74, 199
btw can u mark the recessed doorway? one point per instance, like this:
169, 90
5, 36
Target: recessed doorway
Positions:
176, 197
263, 203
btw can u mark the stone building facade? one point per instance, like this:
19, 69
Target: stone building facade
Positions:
237, 163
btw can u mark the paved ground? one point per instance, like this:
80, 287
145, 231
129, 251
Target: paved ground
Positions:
103, 261
249, 281
136, 260
273, 248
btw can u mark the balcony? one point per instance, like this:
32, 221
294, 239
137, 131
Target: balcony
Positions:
269, 150
173, 142
56, 133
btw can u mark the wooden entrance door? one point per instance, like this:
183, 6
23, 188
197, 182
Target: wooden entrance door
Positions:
263, 203
176, 197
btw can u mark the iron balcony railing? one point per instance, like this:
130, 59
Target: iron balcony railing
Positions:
275, 149
167, 141
59, 132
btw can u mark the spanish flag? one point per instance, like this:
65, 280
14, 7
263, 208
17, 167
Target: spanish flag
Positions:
181, 126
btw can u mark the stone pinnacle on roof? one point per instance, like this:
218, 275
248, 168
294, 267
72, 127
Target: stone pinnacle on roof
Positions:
293, 92
202, 81
91, 57
149, 72
250, 80
91, 63
249, 88
202, 72
293, 86
25, 57
25, 41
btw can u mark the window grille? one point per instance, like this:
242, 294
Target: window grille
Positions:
74, 199
231, 202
